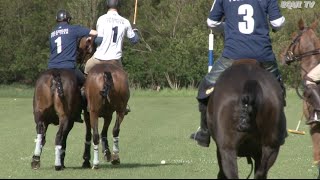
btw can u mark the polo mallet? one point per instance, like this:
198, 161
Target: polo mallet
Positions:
210, 56
135, 12
296, 131
211, 53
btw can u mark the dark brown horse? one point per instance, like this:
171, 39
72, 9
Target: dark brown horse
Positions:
107, 91
246, 95
305, 50
57, 101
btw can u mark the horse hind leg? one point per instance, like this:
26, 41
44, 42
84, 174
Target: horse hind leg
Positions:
66, 130
41, 129
221, 174
228, 164
60, 142
87, 145
115, 159
104, 137
269, 156
94, 125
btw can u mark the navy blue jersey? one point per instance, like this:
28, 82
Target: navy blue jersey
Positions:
63, 45
246, 27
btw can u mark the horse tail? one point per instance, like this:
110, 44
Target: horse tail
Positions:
59, 86
249, 104
108, 84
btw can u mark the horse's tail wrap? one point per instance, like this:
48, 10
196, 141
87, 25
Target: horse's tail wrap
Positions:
59, 86
250, 101
108, 84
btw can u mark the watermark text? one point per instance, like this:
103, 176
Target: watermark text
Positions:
297, 4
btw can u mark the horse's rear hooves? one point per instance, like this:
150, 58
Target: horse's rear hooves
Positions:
59, 168
95, 167
107, 156
115, 159
86, 164
35, 165
115, 162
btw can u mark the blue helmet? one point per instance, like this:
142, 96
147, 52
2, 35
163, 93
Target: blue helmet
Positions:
63, 15
112, 4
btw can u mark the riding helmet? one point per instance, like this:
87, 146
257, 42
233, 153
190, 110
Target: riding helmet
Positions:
63, 15
112, 4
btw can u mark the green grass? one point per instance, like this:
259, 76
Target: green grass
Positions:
158, 128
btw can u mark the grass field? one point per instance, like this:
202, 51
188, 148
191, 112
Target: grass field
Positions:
158, 128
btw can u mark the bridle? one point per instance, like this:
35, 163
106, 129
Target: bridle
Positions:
84, 53
87, 50
290, 56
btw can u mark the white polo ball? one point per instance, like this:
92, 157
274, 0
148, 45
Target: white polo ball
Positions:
163, 162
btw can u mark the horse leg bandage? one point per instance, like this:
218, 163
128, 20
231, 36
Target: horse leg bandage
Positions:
38, 149
116, 145
95, 155
58, 155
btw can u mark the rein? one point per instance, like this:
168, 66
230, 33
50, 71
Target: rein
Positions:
290, 56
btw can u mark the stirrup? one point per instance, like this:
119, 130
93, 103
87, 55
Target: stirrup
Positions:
314, 119
204, 142
194, 135
127, 110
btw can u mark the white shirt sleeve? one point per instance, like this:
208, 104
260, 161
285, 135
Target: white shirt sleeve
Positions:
278, 23
130, 33
216, 26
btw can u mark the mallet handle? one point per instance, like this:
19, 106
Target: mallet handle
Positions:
135, 12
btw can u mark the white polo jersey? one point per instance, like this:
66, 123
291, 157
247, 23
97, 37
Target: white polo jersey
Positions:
112, 27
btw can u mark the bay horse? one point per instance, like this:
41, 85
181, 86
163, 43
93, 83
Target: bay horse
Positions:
57, 101
246, 96
305, 50
107, 91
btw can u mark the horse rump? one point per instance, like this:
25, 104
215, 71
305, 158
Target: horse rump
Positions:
245, 117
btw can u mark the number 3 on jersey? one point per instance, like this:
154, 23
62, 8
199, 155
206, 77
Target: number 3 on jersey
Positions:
246, 27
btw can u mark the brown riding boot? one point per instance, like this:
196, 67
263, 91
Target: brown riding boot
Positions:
313, 97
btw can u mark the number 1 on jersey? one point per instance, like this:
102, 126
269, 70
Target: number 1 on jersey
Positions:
59, 47
115, 34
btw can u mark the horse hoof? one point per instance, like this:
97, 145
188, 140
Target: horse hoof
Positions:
95, 167
115, 159
59, 168
107, 156
35, 165
86, 164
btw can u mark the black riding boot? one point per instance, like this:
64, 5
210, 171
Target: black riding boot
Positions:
127, 110
284, 93
202, 135
83, 105
313, 97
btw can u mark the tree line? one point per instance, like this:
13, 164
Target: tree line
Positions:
173, 47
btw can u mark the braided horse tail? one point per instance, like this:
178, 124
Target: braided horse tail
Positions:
249, 105
59, 86
108, 84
